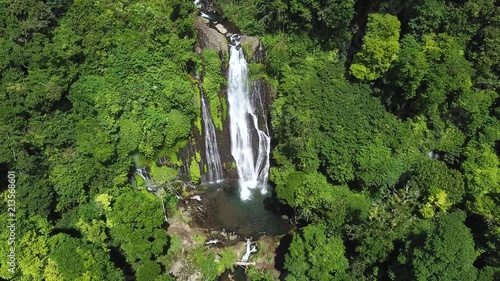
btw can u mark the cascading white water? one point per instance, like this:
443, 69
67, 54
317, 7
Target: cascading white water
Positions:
263, 133
252, 161
214, 166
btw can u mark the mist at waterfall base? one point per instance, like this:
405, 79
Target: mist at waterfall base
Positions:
256, 216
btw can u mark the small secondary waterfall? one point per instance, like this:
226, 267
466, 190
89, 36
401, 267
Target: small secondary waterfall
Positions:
259, 119
251, 154
214, 166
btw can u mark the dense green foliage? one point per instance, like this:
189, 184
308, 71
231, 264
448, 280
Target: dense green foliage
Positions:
380, 47
327, 20
326, 255
441, 257
385, 167
385, 124
212, 83
87, 87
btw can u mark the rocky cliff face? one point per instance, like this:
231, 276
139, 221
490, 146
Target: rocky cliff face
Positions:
208, 37
213, 34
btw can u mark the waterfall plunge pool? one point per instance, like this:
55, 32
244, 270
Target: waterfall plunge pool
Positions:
258, 215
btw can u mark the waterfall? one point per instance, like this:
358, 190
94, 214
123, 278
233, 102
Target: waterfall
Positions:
214, 171
263, 133
251, 154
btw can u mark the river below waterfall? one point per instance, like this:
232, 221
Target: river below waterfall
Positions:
255, 216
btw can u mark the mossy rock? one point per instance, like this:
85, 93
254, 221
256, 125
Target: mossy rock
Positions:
163, 174
172, 153
250, 45
139, 182
224, 109
194, 168
197, 124
197, 104
213, 81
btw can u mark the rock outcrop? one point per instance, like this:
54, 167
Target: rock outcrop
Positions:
250, 45
209, 37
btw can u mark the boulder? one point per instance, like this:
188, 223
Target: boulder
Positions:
221, 28
208, 37
250, 45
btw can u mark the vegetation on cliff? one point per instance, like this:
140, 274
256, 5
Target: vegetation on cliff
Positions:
386, 131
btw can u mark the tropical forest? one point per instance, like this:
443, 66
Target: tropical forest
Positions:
250, 140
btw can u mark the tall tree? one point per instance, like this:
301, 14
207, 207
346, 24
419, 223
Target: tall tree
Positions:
314, 256
441, 257
380, 47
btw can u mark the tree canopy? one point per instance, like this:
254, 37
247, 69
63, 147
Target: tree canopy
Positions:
384, 122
